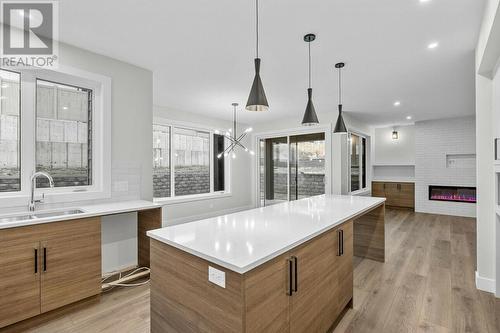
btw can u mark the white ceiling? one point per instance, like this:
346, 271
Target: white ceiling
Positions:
201, 53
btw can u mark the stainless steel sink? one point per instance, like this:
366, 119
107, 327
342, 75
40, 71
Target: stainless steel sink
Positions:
38, 215
8, 219
42, 215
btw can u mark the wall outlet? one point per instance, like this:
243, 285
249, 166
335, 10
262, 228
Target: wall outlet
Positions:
217, 276
120, 186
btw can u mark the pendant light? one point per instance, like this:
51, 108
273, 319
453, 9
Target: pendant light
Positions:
340, 125
257, 100
235, 140
310, 117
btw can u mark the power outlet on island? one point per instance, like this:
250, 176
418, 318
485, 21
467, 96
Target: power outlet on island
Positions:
217, 276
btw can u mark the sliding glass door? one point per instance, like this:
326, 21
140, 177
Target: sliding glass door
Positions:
307, 165
357, 153
291, 167
274, 170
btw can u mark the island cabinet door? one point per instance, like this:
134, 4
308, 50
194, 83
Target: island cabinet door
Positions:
267, 296
312, 304
345, 252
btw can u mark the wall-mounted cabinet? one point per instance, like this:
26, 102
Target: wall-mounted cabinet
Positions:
398, 194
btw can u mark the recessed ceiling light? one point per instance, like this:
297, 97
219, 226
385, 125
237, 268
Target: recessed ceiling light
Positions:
433, 45
425, 1
397, 103
408, 118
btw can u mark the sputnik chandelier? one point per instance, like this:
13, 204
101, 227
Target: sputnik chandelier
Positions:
234, 139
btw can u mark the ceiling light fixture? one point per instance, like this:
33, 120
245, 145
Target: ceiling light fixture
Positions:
433, 45
310, 117
233, 138
257, 100
397, 103
408, 118
340, 125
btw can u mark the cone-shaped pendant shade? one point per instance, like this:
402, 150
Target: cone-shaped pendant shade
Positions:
340, 125
310, 117
257, 100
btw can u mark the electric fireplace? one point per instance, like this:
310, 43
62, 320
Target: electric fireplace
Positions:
452, 193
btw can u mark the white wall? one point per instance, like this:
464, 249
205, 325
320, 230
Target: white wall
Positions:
444, 155
394, 160
388, 151
241, 176
487, 274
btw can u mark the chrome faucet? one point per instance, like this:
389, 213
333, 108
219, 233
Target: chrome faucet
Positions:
33, 202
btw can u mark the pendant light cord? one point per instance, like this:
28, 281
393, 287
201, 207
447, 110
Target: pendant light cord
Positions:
309, 64
257, 26
340, 85
234, 122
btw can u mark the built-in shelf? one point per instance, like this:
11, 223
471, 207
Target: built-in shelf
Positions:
460, 161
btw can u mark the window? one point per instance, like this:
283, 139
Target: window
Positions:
10, 115
59, 123
219, 173
161, 161
63, 134
191, 162
185, 161
357, 153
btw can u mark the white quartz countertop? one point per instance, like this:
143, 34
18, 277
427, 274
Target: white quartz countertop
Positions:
247, 239
109, 208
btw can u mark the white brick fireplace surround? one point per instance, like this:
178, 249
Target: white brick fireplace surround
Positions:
445, 155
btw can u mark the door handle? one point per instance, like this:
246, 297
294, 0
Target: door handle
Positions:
295, 275
36, 261
342, 234
290, 273
44, 259
339, 243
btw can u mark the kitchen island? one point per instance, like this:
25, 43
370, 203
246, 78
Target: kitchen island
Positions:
287, 267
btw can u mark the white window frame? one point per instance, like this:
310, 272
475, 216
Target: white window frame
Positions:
194, 197
101, 137
367, 187
257, 137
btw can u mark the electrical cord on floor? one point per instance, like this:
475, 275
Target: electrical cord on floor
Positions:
114, 284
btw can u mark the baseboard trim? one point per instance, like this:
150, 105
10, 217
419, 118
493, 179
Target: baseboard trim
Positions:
485, 284
179, 220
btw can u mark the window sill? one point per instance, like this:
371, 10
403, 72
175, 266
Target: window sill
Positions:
363, 191
189, 198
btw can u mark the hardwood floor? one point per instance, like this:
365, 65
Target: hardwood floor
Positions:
426, 285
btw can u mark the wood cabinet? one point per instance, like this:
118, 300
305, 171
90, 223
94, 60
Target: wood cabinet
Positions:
398, 194
312, 301
47, 266
302, 290
344, 264
71, 270
19, 280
